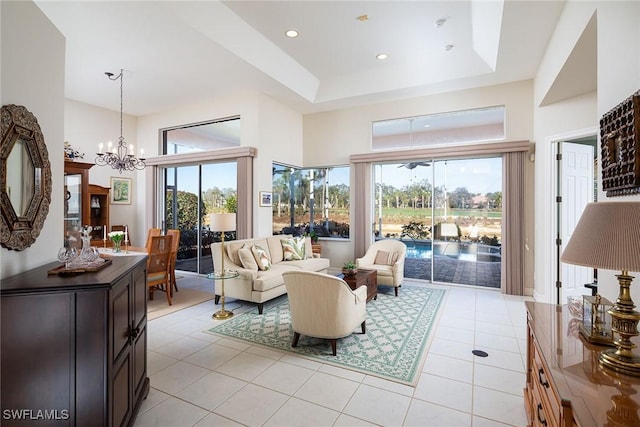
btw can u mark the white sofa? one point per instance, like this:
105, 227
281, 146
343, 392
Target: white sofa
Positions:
256, 285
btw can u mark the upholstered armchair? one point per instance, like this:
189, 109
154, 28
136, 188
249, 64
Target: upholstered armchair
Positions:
324, 306
387, 258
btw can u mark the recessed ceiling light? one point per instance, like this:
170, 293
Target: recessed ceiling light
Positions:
291, 34
362, 18
440, 22
382, 56
448, 47
427, 126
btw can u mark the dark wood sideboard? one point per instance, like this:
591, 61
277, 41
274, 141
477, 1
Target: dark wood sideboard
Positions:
565, 385
74, 348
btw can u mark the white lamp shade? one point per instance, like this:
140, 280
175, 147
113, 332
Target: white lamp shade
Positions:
606, 236
222, 222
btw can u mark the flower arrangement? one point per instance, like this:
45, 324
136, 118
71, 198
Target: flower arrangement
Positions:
116, 237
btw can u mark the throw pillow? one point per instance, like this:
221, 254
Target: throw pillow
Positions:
293, 248
386, 258
261, 257
247, 259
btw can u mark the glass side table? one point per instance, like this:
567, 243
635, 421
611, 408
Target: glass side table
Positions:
222, 275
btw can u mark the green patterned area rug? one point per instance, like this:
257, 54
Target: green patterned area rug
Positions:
393, 348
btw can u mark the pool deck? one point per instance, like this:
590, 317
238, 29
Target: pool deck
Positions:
449, 270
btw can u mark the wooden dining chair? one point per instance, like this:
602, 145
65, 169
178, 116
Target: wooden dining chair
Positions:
175, 244
152, 232
158, 266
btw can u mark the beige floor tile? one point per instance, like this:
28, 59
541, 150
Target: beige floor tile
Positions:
299, 413
283, 377
423, 414
215, 420
443, 391
499, 406
212, 356
378, 406
182, 347
252, 405
245, 366
158, 361
211, 390
171, 413
177, 376
499, 379
448, 367
327, 390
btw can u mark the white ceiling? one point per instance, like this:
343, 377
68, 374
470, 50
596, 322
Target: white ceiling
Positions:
183, 52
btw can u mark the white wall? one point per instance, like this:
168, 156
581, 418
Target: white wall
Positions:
618, 78
618, 53
85, 126
32, 74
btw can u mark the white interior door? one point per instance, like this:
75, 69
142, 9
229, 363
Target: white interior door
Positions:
577, 191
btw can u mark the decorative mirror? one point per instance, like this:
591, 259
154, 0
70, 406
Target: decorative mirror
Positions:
25, 178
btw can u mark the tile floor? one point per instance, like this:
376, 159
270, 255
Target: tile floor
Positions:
198, 379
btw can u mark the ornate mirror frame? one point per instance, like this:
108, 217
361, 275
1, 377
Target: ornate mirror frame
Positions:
21, 229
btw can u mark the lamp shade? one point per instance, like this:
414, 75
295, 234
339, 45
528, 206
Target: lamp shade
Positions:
606, 236
222, 222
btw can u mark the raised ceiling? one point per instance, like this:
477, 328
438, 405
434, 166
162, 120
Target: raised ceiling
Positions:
180, 53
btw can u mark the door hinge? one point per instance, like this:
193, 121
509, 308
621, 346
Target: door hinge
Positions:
558, 242
559, 156
558, 284
558, 199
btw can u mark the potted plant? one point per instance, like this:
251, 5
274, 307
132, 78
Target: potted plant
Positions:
349, 268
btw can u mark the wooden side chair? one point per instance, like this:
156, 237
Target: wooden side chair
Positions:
158, 266
152, 232
175, 244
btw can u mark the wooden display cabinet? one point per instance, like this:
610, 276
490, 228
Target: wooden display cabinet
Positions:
76, 204
99, 213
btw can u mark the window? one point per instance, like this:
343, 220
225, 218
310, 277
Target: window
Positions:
311, 199
222, 133
483, 124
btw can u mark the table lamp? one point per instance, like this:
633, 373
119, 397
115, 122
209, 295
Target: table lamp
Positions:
607, 236
222, 222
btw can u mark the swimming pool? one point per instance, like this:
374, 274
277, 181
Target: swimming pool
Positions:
462, 251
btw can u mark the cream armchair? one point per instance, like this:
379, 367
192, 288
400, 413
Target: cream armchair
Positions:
324, 306
387, 258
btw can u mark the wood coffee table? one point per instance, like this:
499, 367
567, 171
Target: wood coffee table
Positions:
364, 277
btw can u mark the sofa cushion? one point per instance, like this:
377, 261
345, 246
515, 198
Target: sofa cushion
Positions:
308, 249
276, 253
311, 264
232, 249
246, 258
261, 257
386, 258
293, 248
272, 278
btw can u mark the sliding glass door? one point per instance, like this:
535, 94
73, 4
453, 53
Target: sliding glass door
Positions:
448, 213
192, 193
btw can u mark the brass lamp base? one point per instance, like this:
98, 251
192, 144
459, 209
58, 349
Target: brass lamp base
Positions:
222, 314
624, 323
610, 358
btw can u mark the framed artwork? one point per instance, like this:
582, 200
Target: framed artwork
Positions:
620, 148
266, 198
120, 191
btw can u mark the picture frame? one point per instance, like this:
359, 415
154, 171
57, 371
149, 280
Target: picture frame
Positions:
120, 191
266, 198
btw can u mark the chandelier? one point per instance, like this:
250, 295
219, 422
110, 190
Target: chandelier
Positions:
121, 157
